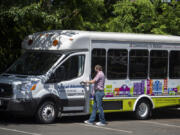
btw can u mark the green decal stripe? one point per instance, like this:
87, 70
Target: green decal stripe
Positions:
166, 101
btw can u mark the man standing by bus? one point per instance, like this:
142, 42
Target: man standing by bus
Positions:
98, 94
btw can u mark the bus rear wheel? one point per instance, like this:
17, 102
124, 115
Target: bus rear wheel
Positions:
143, 110
46, 113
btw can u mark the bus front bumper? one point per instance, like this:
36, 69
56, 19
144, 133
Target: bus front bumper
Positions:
20, 106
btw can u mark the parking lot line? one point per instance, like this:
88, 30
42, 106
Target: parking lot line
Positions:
18, 131
161, 124
117, 130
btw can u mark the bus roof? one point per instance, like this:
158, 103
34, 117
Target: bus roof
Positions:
71, 39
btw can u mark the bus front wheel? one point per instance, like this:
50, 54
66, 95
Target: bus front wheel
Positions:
46, 113
143, 110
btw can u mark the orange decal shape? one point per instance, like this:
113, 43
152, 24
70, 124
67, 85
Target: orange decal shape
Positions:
116, 92
151, 87
165, 86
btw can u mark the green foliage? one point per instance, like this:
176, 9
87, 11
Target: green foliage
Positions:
16, 23
145, 16
81, 14
168, 20
19, 18
124, 19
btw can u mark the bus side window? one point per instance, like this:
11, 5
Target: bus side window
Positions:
98, 57
158, 64
138, 64
117, 60
70, 69
174, 65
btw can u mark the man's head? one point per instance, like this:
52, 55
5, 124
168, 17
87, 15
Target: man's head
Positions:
98, 68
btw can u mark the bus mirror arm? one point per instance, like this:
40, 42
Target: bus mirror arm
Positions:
83, 83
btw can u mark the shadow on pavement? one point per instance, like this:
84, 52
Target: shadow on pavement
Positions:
7, 119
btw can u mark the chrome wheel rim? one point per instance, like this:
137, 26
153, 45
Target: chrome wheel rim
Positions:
48, 112
143, 109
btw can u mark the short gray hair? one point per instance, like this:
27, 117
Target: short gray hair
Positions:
98, 67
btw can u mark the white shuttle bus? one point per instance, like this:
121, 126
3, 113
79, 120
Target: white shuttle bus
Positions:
142, 73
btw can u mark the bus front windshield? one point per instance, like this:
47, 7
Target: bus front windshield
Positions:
34, 63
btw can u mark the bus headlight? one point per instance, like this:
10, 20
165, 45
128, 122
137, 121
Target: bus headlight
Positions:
29, 86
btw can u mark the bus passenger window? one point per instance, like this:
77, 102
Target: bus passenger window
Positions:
70, 69
138, 64
158, 64
174, 66
98, 57
117, 64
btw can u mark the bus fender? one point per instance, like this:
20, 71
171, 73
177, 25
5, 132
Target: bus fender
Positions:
143, 97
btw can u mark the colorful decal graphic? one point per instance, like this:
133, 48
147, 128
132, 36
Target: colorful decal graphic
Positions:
157, 88
124, 90
108, 91
178, 88
139, 88
165, 92
172, 91
131, 91
116, 92
149, 87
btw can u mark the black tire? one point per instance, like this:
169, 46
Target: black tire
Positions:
46, 113
143, 110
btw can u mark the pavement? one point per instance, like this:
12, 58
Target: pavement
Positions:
162, 122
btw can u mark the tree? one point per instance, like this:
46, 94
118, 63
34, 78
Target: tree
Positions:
123, 19
145, 16
167, 19
16, 23
82, 14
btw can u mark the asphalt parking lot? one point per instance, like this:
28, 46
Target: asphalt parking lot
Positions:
163, 122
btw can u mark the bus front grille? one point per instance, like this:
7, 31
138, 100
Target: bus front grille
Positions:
6, 90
